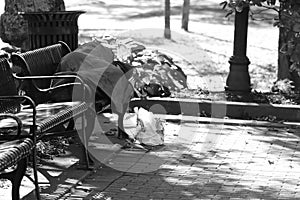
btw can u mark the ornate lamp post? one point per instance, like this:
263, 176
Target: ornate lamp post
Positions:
238, 79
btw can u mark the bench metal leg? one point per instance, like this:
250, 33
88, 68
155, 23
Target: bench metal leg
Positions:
121, 131
85, 142
87, 126
16, 177
35, 173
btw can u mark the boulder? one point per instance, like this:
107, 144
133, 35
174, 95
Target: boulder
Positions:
13, 27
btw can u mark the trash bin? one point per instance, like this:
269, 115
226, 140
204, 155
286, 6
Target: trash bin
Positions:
46, 28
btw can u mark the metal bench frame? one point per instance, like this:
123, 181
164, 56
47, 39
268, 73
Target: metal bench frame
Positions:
38, 68
11, 102
14, 153
44, 62
39, 62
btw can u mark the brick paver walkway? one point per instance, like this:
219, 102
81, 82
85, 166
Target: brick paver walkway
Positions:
199, 161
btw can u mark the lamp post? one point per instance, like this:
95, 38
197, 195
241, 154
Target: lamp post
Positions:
238, 79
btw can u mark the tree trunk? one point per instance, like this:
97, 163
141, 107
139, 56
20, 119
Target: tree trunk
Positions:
283, 59
289, 42
167, 32
185, 14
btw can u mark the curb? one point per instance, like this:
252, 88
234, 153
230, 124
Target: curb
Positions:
218, 109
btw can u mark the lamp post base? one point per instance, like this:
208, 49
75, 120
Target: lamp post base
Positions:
238, 79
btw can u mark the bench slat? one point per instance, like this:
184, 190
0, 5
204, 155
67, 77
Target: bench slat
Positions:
11, 152
39, 62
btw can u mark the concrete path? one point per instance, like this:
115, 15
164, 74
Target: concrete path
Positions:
198, 161
207, 46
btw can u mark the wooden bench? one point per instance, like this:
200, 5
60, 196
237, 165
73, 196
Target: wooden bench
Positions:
37, 119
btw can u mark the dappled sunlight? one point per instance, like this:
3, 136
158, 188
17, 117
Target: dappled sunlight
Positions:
252, 165
209, 160
208, 45
203, 160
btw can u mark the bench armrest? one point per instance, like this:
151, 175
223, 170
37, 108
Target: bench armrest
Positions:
58, 76
18, 121
33, 106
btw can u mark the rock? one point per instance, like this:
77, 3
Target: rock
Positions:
13, 27
49, 5
6, 49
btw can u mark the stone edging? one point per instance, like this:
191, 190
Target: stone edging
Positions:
218, 109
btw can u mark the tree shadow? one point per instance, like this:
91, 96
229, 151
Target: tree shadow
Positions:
284, 139
209, 172
59, 174
283, 150
197, 13
205, 175
200, 13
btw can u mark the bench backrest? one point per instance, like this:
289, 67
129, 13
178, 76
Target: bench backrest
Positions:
39, 62
7, 88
